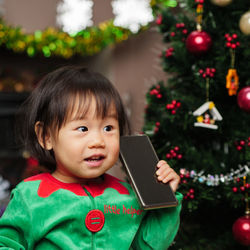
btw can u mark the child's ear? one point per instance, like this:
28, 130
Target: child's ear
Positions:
46, 142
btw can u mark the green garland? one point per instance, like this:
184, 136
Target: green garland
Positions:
53, 42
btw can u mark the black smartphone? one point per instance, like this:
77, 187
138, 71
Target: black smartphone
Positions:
140, 159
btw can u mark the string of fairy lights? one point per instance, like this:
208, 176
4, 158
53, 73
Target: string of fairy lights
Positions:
217, 179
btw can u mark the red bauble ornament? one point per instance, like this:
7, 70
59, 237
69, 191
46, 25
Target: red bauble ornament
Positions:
243, 99
198, 42
241, 230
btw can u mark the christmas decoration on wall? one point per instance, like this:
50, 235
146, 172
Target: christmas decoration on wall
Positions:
232, 78
74, 15
244, 23
221, 3
53, 42
198, 42
132, 14
243, 98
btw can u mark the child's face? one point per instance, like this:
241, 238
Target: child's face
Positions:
87, 147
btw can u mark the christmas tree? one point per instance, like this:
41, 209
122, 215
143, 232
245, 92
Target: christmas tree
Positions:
199, 119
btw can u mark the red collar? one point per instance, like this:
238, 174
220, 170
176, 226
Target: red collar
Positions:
49, 185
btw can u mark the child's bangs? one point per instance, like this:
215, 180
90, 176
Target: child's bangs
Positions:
79, 105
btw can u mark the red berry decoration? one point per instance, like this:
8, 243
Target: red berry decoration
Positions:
172, 107
157, 124
243, 99
241, 230
179, 156
156, 92
159, 20
174, 153
169, 52
208, 72
198, 42
230, 41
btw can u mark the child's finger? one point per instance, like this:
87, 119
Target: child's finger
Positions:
161, 163
163, 172
170, 176
173, 180
174, 184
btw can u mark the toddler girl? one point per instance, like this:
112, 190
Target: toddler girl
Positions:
73, 121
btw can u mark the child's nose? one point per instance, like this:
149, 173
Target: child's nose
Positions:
96, 141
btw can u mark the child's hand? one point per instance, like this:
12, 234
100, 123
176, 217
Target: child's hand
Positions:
167, 174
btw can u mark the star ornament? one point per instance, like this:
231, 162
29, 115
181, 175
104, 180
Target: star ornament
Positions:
132, 14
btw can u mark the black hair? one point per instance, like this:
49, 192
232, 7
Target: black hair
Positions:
53, 100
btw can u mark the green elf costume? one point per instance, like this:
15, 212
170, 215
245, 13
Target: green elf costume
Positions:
45, 213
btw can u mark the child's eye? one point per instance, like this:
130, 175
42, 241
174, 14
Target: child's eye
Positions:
108, 128
82, 129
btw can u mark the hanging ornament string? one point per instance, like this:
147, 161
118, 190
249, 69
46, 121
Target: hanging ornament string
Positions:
207, 89
232, 54
215, 180
198, 42
207, 74
232, 78
199, 13
247, 212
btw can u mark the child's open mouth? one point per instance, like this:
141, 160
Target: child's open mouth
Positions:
95, 160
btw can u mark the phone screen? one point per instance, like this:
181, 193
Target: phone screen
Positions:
140, 159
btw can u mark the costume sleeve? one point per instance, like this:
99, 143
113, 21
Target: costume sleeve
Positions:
158, 228
15, 226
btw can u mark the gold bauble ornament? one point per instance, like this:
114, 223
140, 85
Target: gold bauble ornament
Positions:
245, 23
221, 3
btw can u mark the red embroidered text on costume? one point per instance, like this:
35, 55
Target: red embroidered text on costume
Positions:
113, 209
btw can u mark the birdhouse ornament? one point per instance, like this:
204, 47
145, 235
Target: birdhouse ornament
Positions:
207, 114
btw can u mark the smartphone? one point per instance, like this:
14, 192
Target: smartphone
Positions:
140, 159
